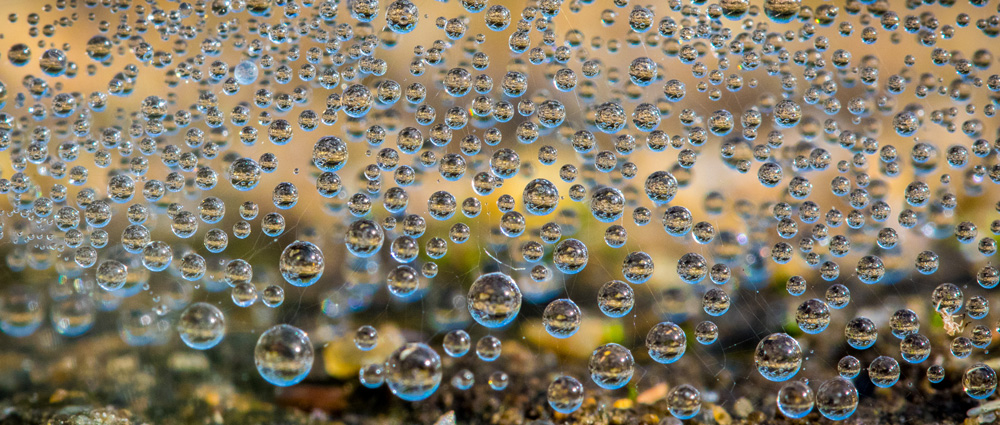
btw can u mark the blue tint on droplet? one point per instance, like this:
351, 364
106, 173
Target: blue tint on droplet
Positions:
245, 73
19, 331
202, 345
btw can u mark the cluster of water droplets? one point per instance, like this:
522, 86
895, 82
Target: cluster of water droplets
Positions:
570, 133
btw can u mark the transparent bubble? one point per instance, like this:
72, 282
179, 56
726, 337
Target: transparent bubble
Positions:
71, 317
610, 117
642, 71
457, 343
615, 298
366, 338
692, 268
770, 174
935, 373
706, 332
982, 336
838, 296
607, 204
53, 62
413, 371
403, 281
720, 274
111, 275
283, 355
812, 316
201, 326
979, 381
795, 399
905, 123
870, 269
463, 379
977, 307
677, 221
21, 311
99, 47
330, 154
837, 399
861, 333
357, 100
917, 194
782, 11
666, 342
734, 9
540, 197
778, 357
637, 267
273, 296
883, 371
570, 256
494, 300
787, 113
915, 348
684, 401
402, 16
245, 72
715, 302
947, 298
142, 327
562, 318
301, 263
796, 285
244, 294
244, 174
849, 367
611, 366
904, 322
372, 375
674, 90
441, 205
364, 238
961, 347
721, 122
498, 381
488, 348
565, 394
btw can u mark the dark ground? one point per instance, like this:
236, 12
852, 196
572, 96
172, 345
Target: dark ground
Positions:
102, 381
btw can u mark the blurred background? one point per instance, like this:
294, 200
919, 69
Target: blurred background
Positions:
108, 367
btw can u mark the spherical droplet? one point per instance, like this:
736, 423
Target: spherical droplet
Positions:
413, 371
795, 399
565, 394
837, 399
611, 366
301, 263
562, 318
494, 300
284, 355
684, 401
778, 357
883, 371
666, 342
979, 381
201, 326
